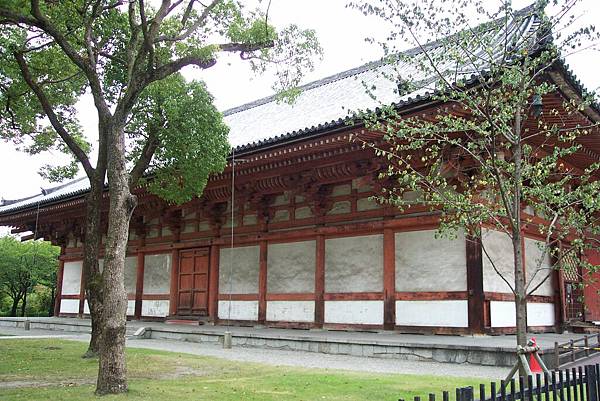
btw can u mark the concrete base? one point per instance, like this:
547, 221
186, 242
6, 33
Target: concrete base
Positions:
479, 350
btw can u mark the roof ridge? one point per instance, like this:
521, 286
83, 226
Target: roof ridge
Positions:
48, 191
311, 85
364, 67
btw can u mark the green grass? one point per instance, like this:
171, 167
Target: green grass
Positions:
53, 370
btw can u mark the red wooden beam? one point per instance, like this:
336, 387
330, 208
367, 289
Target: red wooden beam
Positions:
173, 291
262, 283
59, 281
81, 294
320, 281
139, 285
476, 299
389, 279
213, 283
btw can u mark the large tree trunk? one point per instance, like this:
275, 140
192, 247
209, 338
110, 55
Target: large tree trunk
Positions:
91, 270
112, 373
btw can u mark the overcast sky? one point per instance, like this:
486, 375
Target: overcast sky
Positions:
341, 32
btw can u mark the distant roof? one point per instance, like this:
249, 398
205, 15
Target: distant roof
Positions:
321, 105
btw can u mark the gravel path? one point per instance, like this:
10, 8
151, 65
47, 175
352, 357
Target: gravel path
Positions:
324, 361
289, 358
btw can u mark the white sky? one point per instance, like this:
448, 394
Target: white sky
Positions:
341, 32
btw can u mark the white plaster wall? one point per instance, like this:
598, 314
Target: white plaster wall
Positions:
157, 274
421, 260
69, 306
130, 308
452, 313
535, 256
539, 314
154, 308
291, 311
502, 314
354, 264
354, 312
240, 310
71, 278
244, 272
291, 267
86, 307
499, 247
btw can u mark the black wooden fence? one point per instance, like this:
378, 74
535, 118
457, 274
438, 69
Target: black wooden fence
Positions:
576, 384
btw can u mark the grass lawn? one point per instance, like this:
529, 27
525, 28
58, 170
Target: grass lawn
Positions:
53, 370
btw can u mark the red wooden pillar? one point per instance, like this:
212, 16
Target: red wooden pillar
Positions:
389, 279
59, 281
213, 284
82, 294
320, 281
476, 301
174, 288
262, 283
139, 285
591, 286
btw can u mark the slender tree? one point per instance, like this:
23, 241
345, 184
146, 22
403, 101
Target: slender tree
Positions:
502, 149
123, 53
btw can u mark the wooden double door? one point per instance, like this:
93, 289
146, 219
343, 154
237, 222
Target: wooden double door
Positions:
192, 291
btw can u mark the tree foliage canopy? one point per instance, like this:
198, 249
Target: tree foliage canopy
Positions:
503, 149
52, 53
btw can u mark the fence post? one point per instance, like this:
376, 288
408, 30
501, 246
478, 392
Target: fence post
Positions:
592, 385
587, 345
467, 394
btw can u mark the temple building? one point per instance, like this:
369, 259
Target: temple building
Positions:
300, 242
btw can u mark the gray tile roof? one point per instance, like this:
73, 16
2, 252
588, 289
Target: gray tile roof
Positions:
321, 105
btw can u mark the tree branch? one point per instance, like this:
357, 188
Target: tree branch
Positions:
49, 110
144, 160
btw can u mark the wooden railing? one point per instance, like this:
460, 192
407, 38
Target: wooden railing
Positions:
575, 350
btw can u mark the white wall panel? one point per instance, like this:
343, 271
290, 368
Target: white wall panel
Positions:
291, 311
291, 267
238, 270
240, 310
157, 274
155, 308
354, 312
499, 249
452, 313
502, 314
538, 260
421, 258
354, 264
130, 308
539, 314
71, 278
69, 306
